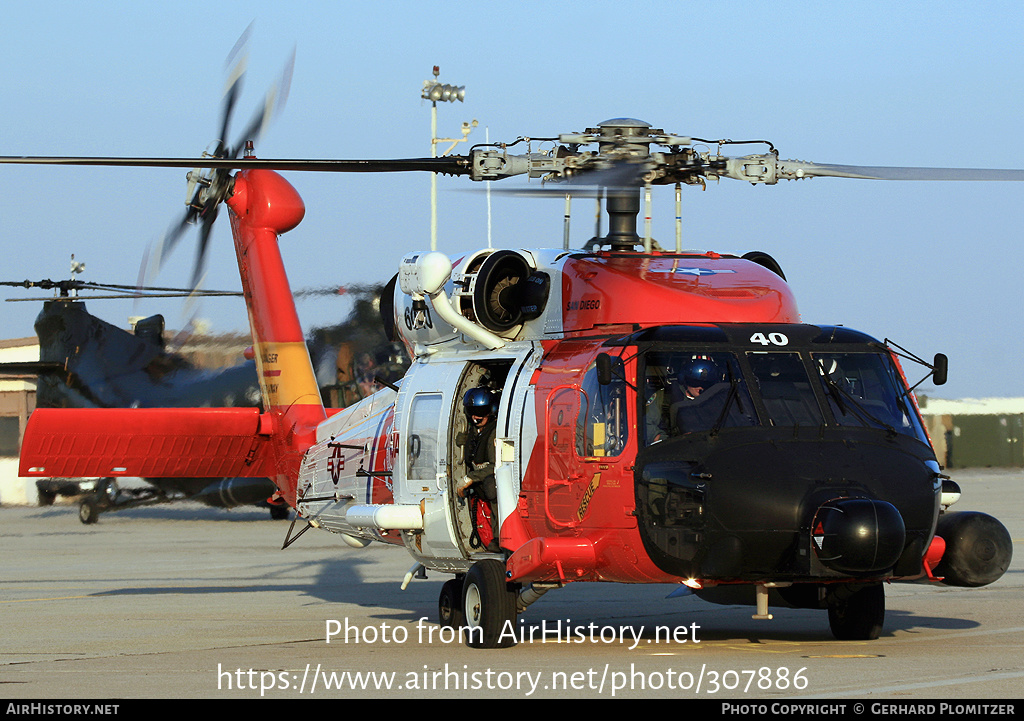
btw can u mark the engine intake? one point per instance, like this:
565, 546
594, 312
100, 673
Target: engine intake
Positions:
508, 291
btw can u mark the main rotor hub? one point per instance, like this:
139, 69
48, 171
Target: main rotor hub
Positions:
619, 131
631, 138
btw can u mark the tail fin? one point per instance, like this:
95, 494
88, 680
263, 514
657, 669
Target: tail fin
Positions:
264, 205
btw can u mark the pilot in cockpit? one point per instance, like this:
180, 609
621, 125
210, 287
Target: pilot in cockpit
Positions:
691, 409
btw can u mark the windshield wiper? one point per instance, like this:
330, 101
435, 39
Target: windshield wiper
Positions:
734, 392
862, 414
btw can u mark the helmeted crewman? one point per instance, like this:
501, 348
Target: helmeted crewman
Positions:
481, 406
478, 453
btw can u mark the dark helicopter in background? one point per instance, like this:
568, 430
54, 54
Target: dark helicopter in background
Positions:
87, 362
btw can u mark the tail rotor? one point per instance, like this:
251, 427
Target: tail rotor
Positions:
209, 187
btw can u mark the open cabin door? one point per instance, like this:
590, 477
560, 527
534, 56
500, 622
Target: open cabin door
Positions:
426, 406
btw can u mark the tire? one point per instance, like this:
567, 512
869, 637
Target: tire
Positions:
88, 511
489, 602
856, 612
450, 611
107, 492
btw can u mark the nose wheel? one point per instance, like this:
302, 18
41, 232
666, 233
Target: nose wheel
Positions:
489, 602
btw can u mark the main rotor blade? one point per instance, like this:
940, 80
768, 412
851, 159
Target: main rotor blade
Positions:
449, 165
789, 168
618, 178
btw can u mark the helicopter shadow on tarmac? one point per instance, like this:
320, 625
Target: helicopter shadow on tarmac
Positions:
365, 584
335, 576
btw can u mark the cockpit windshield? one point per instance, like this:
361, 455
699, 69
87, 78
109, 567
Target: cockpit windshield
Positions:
865, 389
697, 391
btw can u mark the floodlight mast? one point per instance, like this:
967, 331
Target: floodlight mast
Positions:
435, 91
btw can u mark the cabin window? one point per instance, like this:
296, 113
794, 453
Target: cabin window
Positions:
421, 444
9, 432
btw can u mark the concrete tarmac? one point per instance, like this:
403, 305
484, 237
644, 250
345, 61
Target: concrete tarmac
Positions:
183, 601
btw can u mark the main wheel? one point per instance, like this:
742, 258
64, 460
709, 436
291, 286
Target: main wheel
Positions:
450, 611
489, 601
856, 612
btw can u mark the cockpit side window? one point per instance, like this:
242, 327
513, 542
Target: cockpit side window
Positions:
602, 426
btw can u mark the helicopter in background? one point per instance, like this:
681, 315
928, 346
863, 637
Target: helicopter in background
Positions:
800, 475
86, 362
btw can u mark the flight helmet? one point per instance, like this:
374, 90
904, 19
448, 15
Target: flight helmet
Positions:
480, 401
700, 373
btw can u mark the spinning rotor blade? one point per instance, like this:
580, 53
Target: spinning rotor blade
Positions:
449, 165
234, 85
203, 243
65, 287
868, 172
273, 104
352, 289
209, 182
615, 177
165, 245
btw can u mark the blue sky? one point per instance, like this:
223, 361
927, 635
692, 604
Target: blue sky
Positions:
935, 266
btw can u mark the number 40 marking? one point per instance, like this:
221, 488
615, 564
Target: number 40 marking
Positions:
770, 339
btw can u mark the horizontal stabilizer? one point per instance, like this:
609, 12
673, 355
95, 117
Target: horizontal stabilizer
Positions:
146, 443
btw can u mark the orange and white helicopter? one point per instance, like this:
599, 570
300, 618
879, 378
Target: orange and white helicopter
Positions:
662, 416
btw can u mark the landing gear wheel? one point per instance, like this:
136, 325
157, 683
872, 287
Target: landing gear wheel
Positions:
108, 491
88, 511
489, 601
856, 612
450, 611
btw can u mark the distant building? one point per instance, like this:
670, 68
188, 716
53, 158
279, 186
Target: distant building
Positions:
17, 401
976, 432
